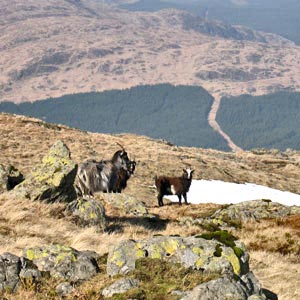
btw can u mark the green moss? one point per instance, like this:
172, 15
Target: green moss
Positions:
222, 236
238, 251
218, 251
158, 278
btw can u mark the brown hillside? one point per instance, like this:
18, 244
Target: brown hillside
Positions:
24, 141
273, 244
51, 48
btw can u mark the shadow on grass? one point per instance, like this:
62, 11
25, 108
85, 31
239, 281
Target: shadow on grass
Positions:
270, 295
117, 224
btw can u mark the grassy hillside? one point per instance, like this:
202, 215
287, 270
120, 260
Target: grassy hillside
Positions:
259, 15
269, 121
23, 223
178, 114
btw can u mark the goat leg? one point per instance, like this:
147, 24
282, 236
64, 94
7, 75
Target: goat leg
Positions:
160, 200
179, 197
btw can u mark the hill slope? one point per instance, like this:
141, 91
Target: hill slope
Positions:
178, 114
52, 48
23, 223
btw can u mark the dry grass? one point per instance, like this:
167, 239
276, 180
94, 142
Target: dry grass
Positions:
277, 273
273, 244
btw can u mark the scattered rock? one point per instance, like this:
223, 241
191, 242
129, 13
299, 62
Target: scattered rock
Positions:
53, 179
127, 204
64, 288
233, 215
255, 209
89, 212
120, 286
221, 288
229, 260
197, 253
10, 267
9, 178
64, 262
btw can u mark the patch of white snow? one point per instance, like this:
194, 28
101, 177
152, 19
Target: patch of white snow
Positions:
220, 192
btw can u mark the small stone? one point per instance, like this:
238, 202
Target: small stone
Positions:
64, 289
120, 286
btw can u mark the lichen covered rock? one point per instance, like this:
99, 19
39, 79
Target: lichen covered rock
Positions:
10, 267
9, 178
233, 215
53, 179
64, 262
64, 288
255, 209
127, 204
120, 286
197, 253
89, 212
222, 288
219, 254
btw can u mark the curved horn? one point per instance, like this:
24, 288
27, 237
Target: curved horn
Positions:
120, 146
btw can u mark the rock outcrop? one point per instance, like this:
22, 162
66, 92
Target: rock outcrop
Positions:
89, 212
223, 288
127, 204
10, 267
255, 209
197, 253
120, 286
226, 257
13, 270
53, 179
233, 215
64, 262
9, 178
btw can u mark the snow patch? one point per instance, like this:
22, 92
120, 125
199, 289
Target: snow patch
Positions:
220, 192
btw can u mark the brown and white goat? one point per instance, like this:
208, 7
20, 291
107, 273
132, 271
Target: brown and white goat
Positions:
174, 186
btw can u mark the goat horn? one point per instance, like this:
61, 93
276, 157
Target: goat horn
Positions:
120, 146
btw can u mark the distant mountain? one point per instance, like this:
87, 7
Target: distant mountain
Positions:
53, 48
177, 114
276, 16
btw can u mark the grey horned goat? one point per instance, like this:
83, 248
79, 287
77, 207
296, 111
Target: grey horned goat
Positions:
105, 176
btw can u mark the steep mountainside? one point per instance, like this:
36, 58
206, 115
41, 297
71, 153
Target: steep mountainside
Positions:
52, 48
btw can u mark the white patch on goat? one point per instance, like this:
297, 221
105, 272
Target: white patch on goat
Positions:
173, 189
189, 172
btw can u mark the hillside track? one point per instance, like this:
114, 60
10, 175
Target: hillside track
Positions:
214, 124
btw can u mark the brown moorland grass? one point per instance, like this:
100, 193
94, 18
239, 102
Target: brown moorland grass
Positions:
273, 244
